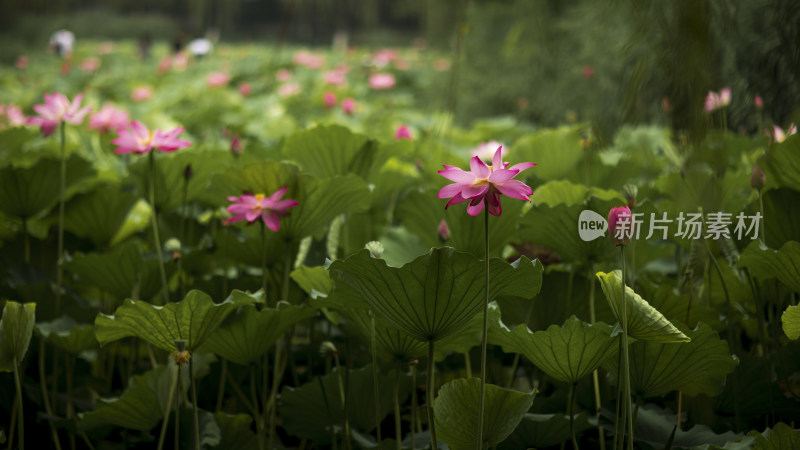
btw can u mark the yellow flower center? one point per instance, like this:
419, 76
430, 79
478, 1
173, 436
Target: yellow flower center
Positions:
259, 198
146, 142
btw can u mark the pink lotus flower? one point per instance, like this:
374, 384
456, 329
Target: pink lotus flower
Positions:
283, 75
486, 150
90, 64
484, 184
716, 101
441, 65
216, 79
56, 109
139, 140
330, 99
289, 89
109, 118
587, 72
758, 102
348, 105
236, 145
402, 64
245, 89
778, 135
335, 77
308, 59
620, 225
22, 62
383, 57
403, 132
381, 81
270, 209
14, 115
141, 93
105, 48
443, 231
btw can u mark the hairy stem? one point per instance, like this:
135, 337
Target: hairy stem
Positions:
376, 390
479, 443
429, 393
163, 433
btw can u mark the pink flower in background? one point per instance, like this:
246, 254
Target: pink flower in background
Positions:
105, 48
420, 44
245, 89
283, 75
403, 132
164, 65
180, 62
441, 65
757, 178
719, 100
57, 108
308, 59
141, 93
289, 89
402, 64
270, 209
381, 81
666, 106
22, 62
587, 72
138, 139
330, 99
443, 231
90, 64
383, 57
216, 79
336, 77
14, 115
620, 225
484, 184
348, 105
778, 135
486, 150
758, 102
109, 118
236, 145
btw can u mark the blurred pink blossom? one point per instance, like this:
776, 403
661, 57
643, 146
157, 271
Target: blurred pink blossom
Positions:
283, 75
22, 62
348, 105
109, 118
236, 145
758, 102
245, 89
90, 64
270, 209
587, 72
383, 57
12, 115
403, 132
329, 99
719, 100
666, 106
381, 81
486, 150
289, 89
141, 93
105, 48
308, 59
56, 109
336, 77
778, 135
441, 65
216, 79
139, 140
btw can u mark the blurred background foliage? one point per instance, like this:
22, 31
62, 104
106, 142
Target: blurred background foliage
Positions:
610, 62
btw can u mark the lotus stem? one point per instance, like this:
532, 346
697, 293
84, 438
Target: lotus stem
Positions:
414, 418
617, 431
277, 373
221, 388
513, 373
595, 376
479, 443
259, 416
343, 398
21, 416
398, 434
429, 394
376, 391
70, 407
194, 406
61, 198
263, 263
156, 238
571, 402
625, 356
45, 397
178, 407
163, 433
27, 240
763, 224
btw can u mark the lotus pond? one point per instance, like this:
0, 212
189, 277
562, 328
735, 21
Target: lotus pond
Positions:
253, 250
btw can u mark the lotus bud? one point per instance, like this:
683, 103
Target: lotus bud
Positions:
173, 247
620, 225
188, 173
236, 146
328, 350
443, 231
375, 249
757, 178
629, 191
758, 102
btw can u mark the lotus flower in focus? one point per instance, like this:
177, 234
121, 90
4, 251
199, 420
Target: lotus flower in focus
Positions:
56, 109
484, 184
270, 209
381, 81
109, 118
138, 139
719, 100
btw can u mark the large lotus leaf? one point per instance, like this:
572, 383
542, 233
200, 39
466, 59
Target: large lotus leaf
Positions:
25, 192
401, 247
781, 165
193, 319
555, 151
68, 335
421, 213
170, 179
544, 430
644, 321
558, 192
567, 353
16, 328
98, 215
783, 217
249, 333
235, 431
119, 272
557, 228
791, 322
315, 281
140, 407
312, 410
695, 367
698, 187
783, 264
456, 413
436, 294
329, 150
674, 305
655, 427
780, 437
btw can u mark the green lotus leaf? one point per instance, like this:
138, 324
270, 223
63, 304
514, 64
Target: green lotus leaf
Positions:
16, 328
312, 410
644, 321
98, 215
315, 281
791, 322
392, 345
456, 413
780, 437
765, 263
695, 367
235, 431
68, 335
557, 228
120, 272
558, 192
567, 353
249, 333
655, 427
436, 294
194, 319
544, 430
556, 151
781, 227
781, 165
